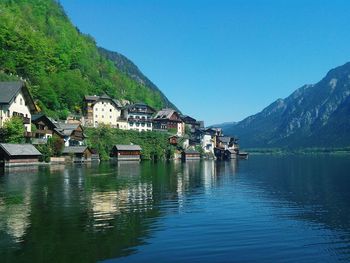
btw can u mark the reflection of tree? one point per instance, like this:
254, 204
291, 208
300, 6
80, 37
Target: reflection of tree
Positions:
87, 213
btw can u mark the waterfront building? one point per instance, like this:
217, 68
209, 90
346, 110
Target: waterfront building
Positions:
103, 110
15, 100
126, 152
18, 154
139, 116
169, 120
190, 154
72, 134
45, 129
78, 154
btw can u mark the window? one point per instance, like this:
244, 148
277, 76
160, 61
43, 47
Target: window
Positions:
15, 99
96, 116
110, 117
110, 110
103, 116
96, 109
20, 101
103, 109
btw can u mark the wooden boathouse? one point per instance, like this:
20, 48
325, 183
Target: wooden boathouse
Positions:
77, 154
18, 154
190, 155
126, 152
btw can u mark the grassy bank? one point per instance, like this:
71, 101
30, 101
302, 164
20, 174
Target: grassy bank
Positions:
154, 145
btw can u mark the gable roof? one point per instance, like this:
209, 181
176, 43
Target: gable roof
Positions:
41, 117
10, 89
12, 149
225, 139
164, 114
96, 99
74, 149
126, 147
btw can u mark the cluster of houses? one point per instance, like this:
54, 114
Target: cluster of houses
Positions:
186, 132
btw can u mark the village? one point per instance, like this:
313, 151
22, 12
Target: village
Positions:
191, 139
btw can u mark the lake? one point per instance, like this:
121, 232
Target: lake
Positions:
265, 209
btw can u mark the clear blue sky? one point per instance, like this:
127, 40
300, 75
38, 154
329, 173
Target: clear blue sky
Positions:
221, 60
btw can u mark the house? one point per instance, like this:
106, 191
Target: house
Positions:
190, 154
207, 143
126, 152
15, 100
169, 120
72, 134
45, 129
77, 154
139, 116
230, 154
18, 154
102, 110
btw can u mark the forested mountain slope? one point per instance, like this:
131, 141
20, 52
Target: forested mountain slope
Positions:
39, 43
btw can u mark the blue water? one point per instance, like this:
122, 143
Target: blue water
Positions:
265, 209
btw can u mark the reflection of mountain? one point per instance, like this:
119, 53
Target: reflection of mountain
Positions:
316, 186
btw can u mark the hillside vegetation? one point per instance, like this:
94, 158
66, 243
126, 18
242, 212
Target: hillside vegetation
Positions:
39, 43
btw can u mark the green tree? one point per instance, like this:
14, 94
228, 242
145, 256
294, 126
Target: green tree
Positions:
14, 130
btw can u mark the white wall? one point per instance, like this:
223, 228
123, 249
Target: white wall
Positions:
19, 106
105, 112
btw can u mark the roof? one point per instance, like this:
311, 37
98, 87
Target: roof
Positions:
37, 117
9, 89
19, 149
190, 151
131, 147
164, 114
74, 149
92, 97
187, 118
225, 139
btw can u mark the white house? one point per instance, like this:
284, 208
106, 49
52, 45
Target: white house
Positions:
139, 117
15, 100
103, 110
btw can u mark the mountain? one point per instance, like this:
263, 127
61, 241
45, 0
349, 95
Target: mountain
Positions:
313, 116
39, 43
127, 67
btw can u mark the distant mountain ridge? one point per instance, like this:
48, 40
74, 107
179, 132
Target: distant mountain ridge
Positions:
315, 115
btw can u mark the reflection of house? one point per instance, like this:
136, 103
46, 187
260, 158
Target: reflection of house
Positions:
18, 154
73, 134
127, 152
169, 120
102, 110
77, 153
45, 128
190, 155
15, 100
139, 117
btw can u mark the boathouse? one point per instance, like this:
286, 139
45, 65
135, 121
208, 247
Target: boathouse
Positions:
18, 154
230, 154
77, 154
126, 152
190, 155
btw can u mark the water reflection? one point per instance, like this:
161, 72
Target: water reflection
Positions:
86, 213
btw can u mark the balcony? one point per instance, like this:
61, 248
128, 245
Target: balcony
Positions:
139, 120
